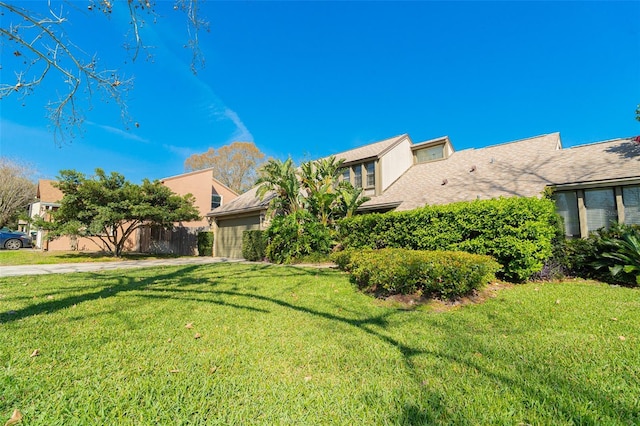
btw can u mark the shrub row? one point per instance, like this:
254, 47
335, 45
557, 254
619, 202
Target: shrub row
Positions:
205, 243
389, 271
517, 232
253, 245
294, 236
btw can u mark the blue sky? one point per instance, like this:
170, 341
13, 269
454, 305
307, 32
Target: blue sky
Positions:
308, 79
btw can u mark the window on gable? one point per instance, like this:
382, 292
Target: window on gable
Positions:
216, 201
429, 154
371, 174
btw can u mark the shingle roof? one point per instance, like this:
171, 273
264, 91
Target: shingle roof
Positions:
47, 193
372, 150
249, 201
246, 202
521, 168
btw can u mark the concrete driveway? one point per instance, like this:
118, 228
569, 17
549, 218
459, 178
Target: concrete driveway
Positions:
65, 268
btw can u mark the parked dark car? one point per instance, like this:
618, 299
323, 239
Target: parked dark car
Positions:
13, 240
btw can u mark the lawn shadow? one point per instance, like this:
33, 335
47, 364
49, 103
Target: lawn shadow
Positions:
123, 285
175, 283
551, 399
553, 390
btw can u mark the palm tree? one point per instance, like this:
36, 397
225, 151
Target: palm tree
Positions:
319, 182
349, 199
281, 178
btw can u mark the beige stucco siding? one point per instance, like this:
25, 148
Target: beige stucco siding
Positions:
395, 162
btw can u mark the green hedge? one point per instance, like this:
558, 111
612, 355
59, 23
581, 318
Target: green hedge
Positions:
253, 245
517, 232
296, 235
389, 271
205, 243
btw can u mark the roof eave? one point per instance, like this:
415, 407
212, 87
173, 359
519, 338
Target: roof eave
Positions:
379, 206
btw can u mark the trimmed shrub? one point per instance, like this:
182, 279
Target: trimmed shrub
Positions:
296, 235
342, 259
253, 245
205, 243
447, 274
517, 232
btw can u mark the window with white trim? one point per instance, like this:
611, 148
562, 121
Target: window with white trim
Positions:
357, 176
346, 174
370, 168
429, 154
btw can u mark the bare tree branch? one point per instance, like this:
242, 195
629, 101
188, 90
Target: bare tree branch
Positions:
44, 48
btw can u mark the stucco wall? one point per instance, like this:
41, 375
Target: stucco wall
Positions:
395, 162
201, 184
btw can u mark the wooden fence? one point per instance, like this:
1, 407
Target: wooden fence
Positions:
179, 240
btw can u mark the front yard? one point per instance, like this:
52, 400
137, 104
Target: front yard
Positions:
260, 344
39, 257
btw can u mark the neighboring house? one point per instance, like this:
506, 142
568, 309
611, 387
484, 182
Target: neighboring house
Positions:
593, 183
208, 192
49, 198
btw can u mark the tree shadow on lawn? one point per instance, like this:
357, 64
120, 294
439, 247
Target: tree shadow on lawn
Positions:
548, 391
123, 285
185, 276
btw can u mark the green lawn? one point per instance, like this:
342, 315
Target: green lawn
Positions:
39, 257
285, 345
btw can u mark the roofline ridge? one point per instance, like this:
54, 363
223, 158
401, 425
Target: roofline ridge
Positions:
516, 141
630, 138
366, 144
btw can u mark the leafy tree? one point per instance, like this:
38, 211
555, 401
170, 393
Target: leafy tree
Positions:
36, 48
108, 208
234, 165
17, 190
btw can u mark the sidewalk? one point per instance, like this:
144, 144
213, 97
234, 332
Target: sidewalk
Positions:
65, 268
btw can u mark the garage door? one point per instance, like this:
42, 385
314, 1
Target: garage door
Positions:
228, 239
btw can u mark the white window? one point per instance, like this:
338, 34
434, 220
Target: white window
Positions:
429, 154
371, 174
601, 208
346, 174
216, 201
567, 207
357, 176
631, 201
